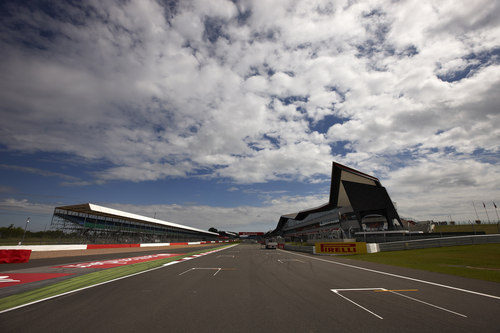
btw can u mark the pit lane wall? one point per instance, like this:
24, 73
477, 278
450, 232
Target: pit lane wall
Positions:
298, 248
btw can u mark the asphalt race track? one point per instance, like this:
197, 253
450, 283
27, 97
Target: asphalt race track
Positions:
248, 289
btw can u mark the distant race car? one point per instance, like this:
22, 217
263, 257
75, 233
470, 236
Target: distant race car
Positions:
271, 243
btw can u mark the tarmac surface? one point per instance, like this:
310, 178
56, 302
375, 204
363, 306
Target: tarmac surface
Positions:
49, 264
249, 289
99, 254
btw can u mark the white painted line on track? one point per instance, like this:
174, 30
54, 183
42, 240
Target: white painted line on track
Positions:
109, 281
336, 291
397, 276
429, 304
358, 289
290, 260
187, 271
218, 269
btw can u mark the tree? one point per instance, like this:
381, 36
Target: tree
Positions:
10, 231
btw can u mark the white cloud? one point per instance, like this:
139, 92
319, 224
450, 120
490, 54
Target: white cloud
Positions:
40, 172
438, 185
16, 205
234, 89
241, 218
5, 189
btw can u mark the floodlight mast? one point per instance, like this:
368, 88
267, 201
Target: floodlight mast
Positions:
25, 228
473, 205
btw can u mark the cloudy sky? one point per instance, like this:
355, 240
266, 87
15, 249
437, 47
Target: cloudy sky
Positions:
229, 113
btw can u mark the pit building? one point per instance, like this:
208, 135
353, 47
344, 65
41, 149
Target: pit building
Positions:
358, 203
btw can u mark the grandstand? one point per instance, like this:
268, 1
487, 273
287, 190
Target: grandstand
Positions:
358, 204
98, 224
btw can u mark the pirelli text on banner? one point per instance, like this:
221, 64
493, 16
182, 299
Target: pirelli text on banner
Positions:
340, 248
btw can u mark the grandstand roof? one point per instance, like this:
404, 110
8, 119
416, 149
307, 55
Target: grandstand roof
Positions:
89, 208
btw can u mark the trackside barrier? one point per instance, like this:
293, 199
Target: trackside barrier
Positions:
436, 242
340, 248
415, 244
154, 244
110, 246
14, 256
299, 248
41, 248
372, 248
329, 248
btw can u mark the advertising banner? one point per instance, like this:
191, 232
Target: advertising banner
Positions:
338, 248
14, 256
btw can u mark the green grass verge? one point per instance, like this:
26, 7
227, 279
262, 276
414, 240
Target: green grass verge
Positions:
470, 261
87, 280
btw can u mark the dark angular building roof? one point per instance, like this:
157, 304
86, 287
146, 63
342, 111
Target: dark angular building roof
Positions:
351, 188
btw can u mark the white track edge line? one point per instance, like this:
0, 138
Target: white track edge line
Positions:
362, 307
429, 304
398, 276
101, 283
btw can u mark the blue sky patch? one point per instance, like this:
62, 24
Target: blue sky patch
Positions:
323, 125
475, 61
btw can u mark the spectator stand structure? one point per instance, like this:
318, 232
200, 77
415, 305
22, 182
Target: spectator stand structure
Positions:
92, 223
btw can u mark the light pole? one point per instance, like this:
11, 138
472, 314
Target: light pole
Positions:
498, 219
477, 216
486, 212
25, 228
473, 229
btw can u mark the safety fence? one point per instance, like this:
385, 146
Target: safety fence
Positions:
400, 237
439, 242
414, 244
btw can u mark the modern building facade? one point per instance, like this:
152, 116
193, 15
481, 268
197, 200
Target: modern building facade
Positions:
358, 203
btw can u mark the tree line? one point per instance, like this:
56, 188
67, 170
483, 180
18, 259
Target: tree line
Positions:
17, 232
